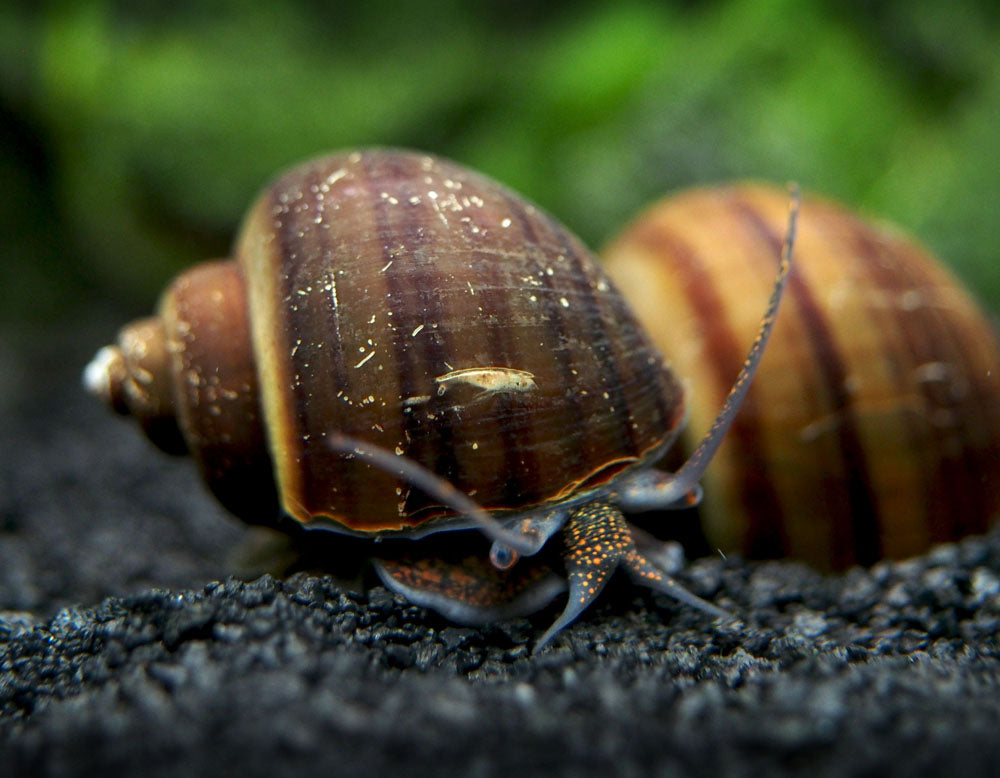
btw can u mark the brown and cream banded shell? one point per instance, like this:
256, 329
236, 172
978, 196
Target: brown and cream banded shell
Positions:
406, 301
873, 427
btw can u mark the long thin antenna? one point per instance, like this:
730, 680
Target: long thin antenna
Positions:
692, 470
433, 485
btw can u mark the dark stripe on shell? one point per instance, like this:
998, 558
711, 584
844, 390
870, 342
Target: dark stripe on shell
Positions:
765, 534
859, 540
306, 360
286, 238
331, 360
596, 325
650, 374
561, 353
867, 255
954, 494
436, 451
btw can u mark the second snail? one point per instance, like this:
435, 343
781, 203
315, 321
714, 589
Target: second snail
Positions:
873, 427
398, 341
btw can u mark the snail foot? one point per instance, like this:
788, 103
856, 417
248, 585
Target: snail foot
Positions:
470, 590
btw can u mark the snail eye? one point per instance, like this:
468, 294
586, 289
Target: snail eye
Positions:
503, 557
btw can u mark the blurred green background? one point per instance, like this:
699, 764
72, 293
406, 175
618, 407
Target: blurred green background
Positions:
134, 134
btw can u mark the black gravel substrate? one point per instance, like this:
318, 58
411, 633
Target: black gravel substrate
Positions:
126, 647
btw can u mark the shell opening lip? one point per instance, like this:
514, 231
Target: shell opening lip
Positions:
589, 492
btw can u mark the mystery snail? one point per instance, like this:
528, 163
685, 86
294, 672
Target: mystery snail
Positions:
399, 341
873, 428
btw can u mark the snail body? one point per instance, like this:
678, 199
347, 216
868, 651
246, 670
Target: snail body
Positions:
396, 334
873, 428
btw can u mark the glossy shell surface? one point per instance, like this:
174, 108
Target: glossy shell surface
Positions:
873, 426
407, 301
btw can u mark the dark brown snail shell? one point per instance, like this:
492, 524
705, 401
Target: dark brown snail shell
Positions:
403, 300
873, 427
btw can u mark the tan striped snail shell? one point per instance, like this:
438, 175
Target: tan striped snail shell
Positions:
402, 303
873, 427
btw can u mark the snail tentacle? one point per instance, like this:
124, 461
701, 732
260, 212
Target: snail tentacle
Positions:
435, 486
651, 490
537, 526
